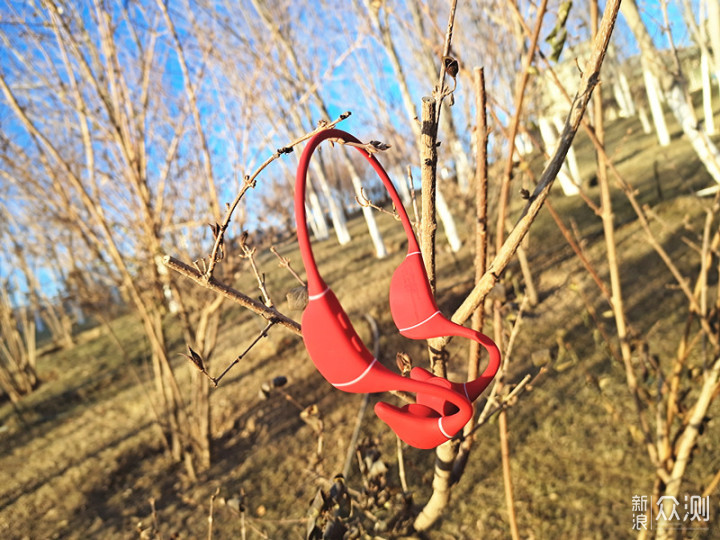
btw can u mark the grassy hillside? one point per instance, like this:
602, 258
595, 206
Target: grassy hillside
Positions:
81, 457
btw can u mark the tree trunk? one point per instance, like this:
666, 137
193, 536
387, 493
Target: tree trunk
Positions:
624, 91
644, 120
701, 143
17, 349
707, 92
652, 87
623, 106
448, 222
403, 187
380, 250
337, 216
713, 13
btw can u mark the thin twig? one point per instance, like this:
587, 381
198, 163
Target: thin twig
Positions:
581, 191
440, 91
401, 465
481, 187
210, 514
270, 324
493, 405
249, 254
509, 400
250, 181
367, 203
285, 263
579, 253
502, 419
411, 188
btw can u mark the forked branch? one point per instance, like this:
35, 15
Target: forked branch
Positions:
232, 294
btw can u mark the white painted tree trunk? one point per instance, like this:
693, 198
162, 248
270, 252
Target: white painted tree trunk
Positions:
401, 183
447, 220
523, 144
462, 166
625, 87
311, 221
701, 143
713, 14
652, 87
377, 240
165, 279
317, 221
623, 96
336, 214
550, 139
570, 159
644, 120
707, 92
623, 107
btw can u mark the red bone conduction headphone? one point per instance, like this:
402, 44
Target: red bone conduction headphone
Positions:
442, 408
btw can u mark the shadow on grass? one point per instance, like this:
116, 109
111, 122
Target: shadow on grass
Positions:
11, 496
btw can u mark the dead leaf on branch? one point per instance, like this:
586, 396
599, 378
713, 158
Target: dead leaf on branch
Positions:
451, 66
370, 147
196, 359
297, 298
379, 146
217, 231
404, 363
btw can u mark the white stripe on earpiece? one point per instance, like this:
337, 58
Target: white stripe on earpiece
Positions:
420, 323
441, 428
320, 295
357, 379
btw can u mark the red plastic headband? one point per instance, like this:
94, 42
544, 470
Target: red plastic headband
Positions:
442, 408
